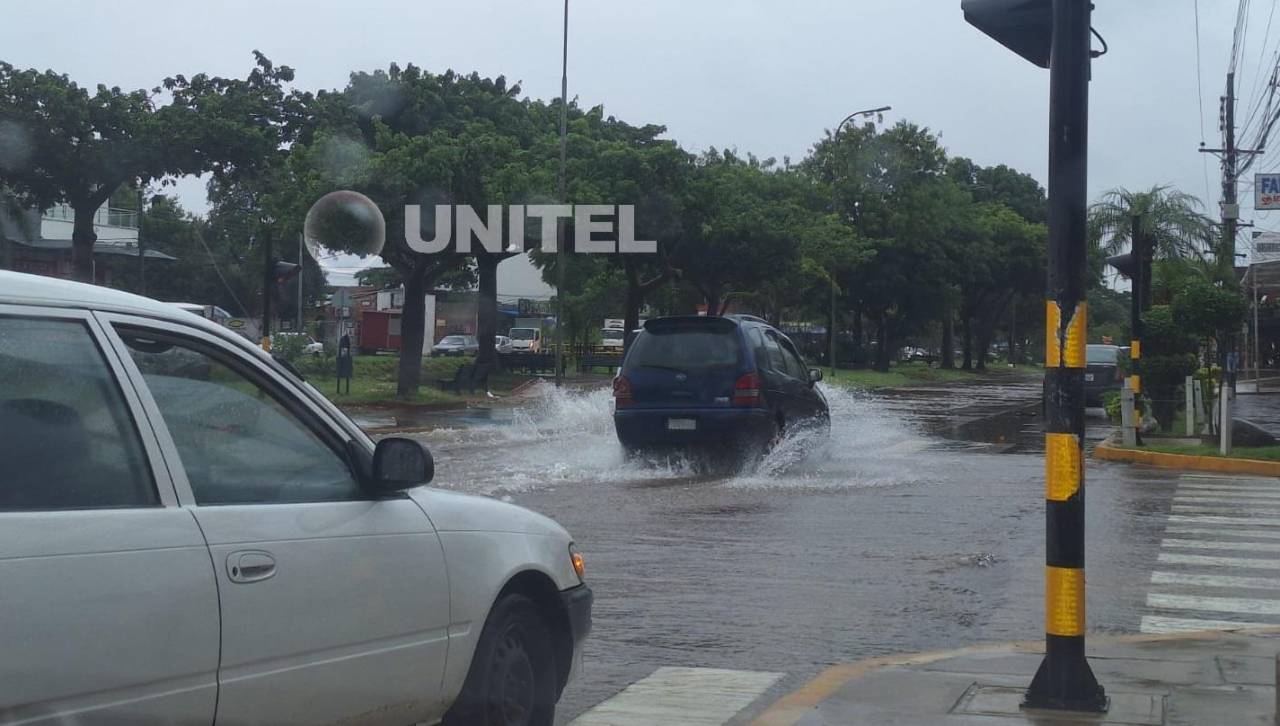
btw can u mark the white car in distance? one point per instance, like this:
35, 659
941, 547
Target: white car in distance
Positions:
189, 533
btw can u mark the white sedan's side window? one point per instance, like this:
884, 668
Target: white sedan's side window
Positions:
237, 442
67, 439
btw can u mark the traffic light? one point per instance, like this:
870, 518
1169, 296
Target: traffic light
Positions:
284, 271
1125, 264
1023, 26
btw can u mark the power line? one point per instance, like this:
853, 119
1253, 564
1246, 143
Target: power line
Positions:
244, 312
1237, 35
1204, 161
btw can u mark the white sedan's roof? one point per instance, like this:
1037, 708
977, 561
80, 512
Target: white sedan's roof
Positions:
23, 289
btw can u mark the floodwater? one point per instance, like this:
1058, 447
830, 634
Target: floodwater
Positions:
917, 524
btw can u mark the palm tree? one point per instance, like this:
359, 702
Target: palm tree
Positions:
1169, 218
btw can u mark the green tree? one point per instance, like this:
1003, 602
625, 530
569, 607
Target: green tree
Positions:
889, 186
740, 228
1169, 357
67, 145
1203, 308
1170, 219
406, 136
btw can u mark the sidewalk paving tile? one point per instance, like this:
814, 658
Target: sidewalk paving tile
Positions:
1129, 709
1234, 705
1248, 670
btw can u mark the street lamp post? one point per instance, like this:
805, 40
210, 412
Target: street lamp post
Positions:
831, 321
561, 258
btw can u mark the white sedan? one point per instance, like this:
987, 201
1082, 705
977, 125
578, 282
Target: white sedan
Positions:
310, 346
191, 534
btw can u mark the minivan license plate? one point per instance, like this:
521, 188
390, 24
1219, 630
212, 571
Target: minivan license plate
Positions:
682, 424
1088, 377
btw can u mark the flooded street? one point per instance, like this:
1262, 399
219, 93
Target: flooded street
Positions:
917, 525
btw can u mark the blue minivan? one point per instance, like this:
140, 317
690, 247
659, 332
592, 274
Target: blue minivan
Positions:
713, 382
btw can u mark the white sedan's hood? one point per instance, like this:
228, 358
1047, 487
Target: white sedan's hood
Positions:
457, 512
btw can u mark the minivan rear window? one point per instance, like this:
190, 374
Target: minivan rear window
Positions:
1101, 355
685, 347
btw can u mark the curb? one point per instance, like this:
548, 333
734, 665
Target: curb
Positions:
389, 430
792, 707
1218, 464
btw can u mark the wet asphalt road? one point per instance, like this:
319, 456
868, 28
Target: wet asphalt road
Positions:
917, 525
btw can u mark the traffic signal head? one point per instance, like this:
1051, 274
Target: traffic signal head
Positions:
285, 271
1125, 264
1023, 26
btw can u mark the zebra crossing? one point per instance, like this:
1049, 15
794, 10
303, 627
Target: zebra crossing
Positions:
1219, 562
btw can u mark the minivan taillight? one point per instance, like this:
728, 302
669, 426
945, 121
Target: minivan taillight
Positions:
746, 391
621, 392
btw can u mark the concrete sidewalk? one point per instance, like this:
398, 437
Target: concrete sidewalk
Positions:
1210, 677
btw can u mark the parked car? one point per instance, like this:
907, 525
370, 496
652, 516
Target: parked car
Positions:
611, 338
191, 533
702, 381
456, 345
1102, 372
310, 346
526, 340
501, 344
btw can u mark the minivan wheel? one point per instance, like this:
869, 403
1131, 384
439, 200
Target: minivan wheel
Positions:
512, 677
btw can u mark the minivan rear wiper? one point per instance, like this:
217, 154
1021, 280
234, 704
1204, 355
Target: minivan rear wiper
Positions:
660, 367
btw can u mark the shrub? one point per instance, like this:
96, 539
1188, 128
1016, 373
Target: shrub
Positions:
1111, 402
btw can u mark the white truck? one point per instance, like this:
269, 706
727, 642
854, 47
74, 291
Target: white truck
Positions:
612, 335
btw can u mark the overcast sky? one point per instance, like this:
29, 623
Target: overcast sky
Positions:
764, 77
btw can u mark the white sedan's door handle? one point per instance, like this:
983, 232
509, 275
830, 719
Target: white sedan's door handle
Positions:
250, 566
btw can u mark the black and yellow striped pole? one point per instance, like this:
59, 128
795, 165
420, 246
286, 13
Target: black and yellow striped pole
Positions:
1137, 290
1064, 680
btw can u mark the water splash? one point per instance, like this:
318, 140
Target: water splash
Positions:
867, 446
564, 435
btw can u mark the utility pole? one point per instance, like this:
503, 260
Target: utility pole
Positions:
1230, 206
561, 257
1257, 380
835, 209
142, 263
1064, 680
300, 241
1227, 251
831, 333
268, 284
1230, 213
1137, 302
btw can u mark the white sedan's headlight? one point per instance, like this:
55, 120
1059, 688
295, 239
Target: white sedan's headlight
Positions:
579, 564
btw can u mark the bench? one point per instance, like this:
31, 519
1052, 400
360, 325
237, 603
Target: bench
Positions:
471, 376
530, 362
461, 377
597, 360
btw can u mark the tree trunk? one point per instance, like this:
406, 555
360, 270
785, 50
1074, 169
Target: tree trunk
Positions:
856, 333
948, 359
883, 341
631, 308
1015, 347
412, 334
987, 328
984, 345
82, 240
966, 328
487, 313
712, 298
636, 290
